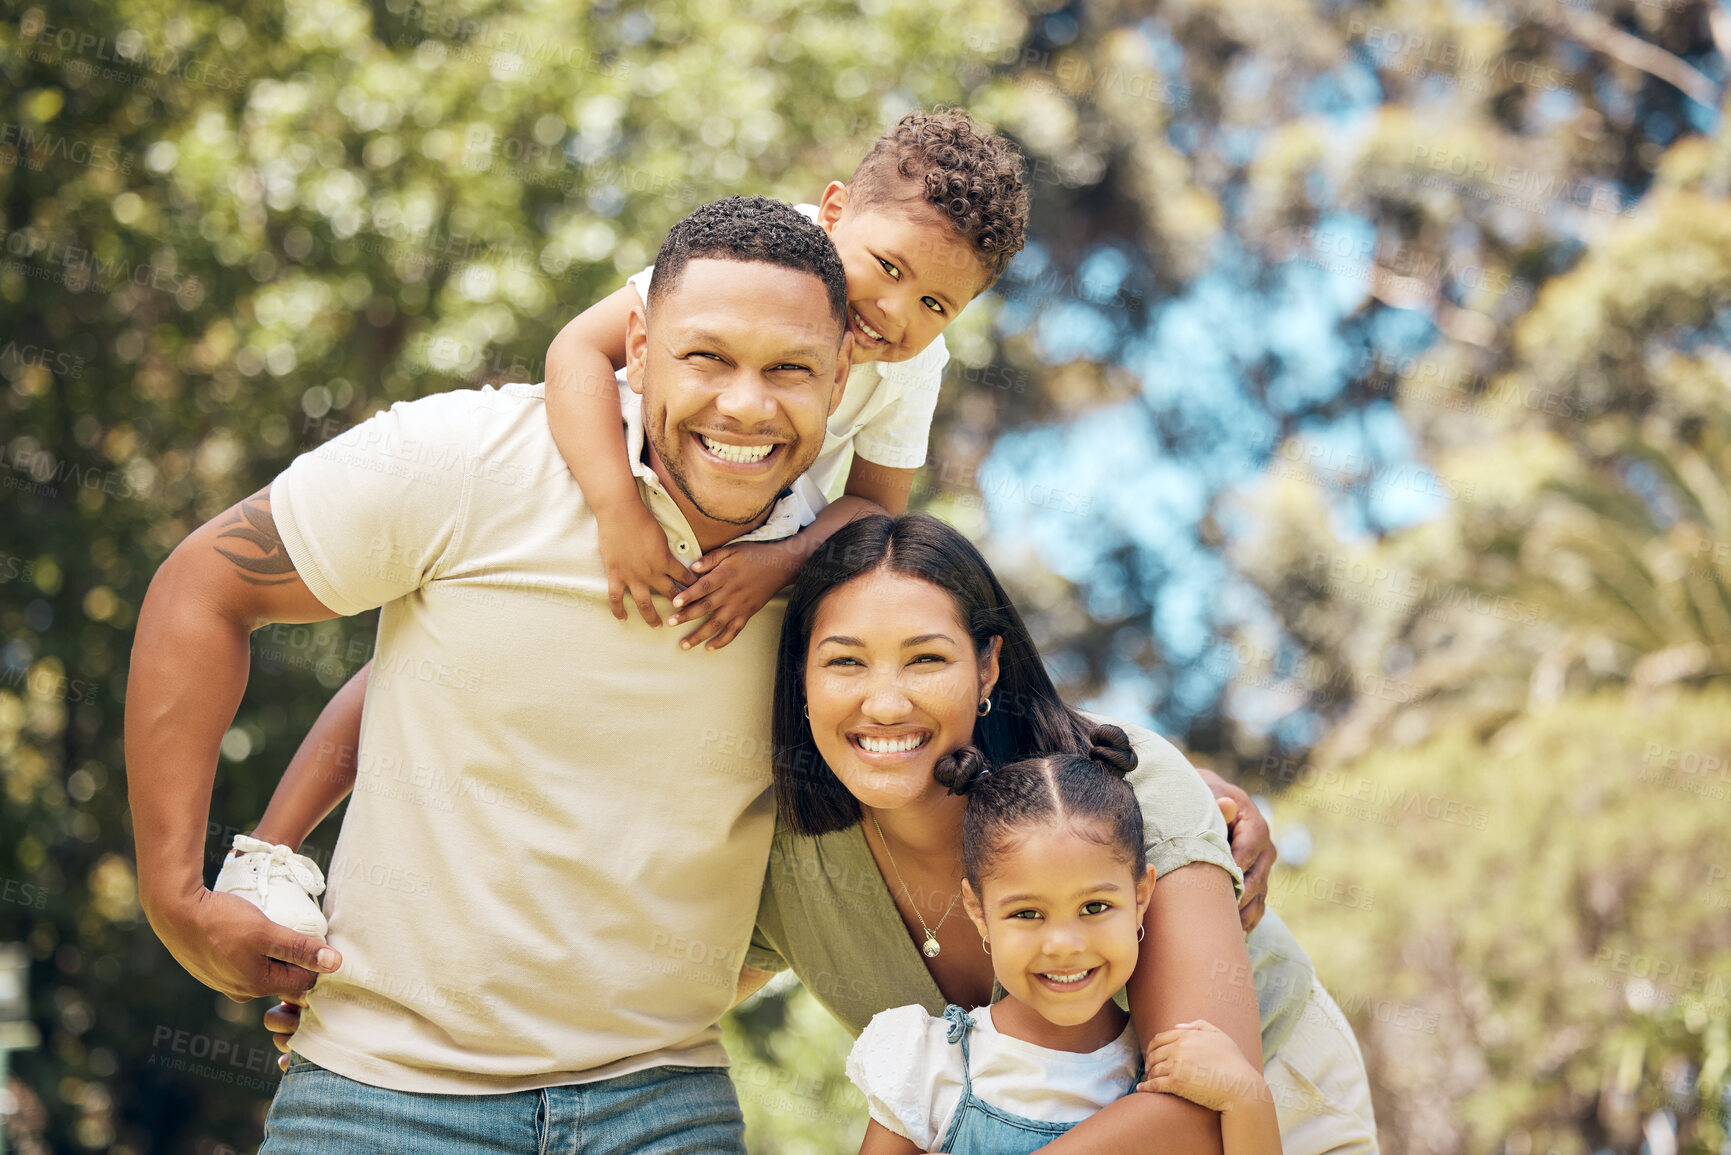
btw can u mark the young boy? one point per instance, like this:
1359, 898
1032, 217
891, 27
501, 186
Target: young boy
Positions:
930, 220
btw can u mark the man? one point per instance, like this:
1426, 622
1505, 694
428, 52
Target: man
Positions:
548, 872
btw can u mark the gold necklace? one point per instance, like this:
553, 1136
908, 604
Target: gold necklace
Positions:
931, 947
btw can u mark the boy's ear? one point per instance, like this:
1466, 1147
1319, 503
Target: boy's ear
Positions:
971, 904
636, 347
831, 205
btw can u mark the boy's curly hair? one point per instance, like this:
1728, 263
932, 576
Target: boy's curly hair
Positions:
975, 178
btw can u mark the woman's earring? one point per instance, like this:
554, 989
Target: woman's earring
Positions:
986, 945
808, 711
1140, 931
985, 707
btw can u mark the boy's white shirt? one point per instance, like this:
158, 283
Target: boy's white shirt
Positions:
885, 416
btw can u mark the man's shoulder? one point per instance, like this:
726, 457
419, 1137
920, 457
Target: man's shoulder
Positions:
454, 417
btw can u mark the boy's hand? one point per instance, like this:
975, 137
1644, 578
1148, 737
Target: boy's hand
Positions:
736, 582
1200, 1062
635, 554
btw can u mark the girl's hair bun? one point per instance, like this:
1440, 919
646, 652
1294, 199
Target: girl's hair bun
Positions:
1110, 748
961, 770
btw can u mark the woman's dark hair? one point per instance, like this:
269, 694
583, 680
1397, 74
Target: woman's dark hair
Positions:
1027, 719
1089, 794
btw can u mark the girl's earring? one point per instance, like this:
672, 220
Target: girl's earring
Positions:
808, 711
1140, 931
985, 707
986, 945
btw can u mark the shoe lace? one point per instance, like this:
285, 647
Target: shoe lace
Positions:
303, 870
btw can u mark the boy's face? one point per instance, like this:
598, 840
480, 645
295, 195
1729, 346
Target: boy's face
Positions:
908, 273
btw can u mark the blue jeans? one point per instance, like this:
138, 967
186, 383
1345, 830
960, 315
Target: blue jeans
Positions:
659, 1111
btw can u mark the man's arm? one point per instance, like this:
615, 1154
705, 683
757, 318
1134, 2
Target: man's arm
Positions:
1252, 845
190, 660
1193, 966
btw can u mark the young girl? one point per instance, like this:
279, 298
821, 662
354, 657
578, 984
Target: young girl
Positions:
1056, 882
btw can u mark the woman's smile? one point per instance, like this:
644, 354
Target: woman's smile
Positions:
880, 746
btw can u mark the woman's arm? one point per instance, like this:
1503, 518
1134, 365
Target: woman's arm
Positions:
1193, 966
322, 772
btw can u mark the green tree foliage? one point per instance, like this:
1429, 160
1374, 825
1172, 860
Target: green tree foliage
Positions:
1266, 234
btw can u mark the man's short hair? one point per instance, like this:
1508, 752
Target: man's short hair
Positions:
975, 178
752, 229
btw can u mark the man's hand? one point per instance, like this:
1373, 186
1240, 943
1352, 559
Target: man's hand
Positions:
635, 555
737, 581
1252, 847
228, 944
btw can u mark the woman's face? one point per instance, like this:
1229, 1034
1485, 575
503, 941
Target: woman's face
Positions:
892, 684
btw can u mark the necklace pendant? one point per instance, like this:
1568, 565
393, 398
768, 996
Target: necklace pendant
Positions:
931, 949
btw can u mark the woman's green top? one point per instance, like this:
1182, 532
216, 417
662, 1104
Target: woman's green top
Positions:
828, 913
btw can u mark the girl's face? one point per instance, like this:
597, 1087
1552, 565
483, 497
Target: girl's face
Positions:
1061, 913
892, 684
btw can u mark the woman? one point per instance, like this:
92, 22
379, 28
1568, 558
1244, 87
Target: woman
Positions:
898, 650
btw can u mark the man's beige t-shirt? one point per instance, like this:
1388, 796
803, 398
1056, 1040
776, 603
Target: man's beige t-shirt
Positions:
550, 865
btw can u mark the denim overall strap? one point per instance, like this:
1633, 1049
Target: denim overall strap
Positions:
961, 1026
979, 1128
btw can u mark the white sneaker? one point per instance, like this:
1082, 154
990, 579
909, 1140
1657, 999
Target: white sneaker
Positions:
277, 881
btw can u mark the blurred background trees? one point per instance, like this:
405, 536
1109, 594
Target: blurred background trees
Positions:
1357, 415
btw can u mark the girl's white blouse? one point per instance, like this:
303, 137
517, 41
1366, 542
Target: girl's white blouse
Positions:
911, 1074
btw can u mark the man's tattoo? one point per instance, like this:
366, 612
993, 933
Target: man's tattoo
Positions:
254, 525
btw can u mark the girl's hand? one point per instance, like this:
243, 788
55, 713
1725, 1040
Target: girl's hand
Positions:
736, 582
635, 555
1200, 1062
